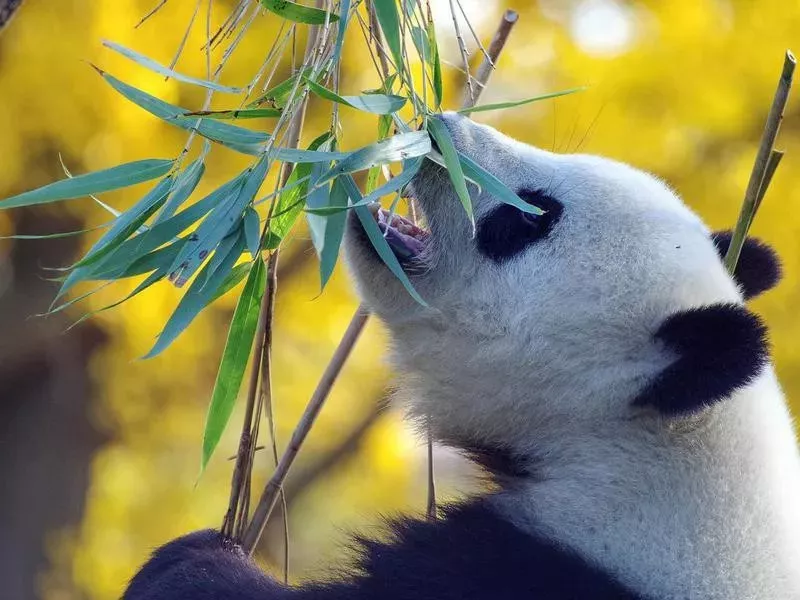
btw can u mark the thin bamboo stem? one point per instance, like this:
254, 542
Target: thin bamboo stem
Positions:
764, 157
489, 63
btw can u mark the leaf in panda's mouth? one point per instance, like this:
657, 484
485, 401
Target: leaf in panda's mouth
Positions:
406, 239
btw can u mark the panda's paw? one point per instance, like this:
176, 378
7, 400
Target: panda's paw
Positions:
203, 565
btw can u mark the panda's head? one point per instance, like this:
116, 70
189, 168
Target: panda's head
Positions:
576, 315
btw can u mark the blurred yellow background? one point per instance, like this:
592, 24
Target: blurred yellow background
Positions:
100, 451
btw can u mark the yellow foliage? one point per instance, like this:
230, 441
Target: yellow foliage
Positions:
681, 91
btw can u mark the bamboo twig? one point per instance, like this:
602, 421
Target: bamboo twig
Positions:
270, 494
462, 48
489, 63
234, 526
757, 186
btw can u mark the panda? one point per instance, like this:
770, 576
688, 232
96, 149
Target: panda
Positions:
600, 362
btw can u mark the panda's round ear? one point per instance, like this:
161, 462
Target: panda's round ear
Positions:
758, 269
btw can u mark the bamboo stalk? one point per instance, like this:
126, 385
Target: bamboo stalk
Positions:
234, 526
488, 65
269, 496
766, 162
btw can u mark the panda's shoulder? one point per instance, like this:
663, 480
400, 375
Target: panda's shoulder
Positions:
472, 552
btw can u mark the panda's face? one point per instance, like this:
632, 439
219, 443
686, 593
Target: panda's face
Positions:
561, 302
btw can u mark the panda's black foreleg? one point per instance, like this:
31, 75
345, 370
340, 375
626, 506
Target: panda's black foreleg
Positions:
203, 566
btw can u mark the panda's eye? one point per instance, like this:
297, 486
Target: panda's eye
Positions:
506, 231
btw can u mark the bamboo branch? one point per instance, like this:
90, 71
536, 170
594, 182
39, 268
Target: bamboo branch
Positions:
237, 515
269, 496
766, 162
489, 63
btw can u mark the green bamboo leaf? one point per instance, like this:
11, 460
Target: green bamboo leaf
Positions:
160, 259
240, 113
410, 169
344, 17
149, 63
96, 182
117, 264
439, 131
223, 133
420, 38
334, 233
376, 238
494, 186
233, 279
292, 197
389, 20
278, 94
379, 104
384, 125
63, 234
511, 104
436, 63
128, 222
299, 13
185, 183
226, 246
252, 231
399, 147
234, 360
199, 295
217, 225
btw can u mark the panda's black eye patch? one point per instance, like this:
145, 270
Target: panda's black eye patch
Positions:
506, 231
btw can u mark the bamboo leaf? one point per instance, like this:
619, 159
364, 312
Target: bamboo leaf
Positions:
399, 147
344, 17
217, 225
299, 13
379, 104
124, 258
199, 295
149, 63
234, 360
389, 20
376, 237
278, 94
185, 183
252, 231
334, 233
436, 64
410, 169
96, 182
494, 186
513, 103
291, 199
240, 113
440, 133
384, 124
128, 222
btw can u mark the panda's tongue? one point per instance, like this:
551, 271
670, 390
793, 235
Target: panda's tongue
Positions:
405, 238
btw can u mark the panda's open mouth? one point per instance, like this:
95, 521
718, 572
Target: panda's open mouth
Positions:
406, 239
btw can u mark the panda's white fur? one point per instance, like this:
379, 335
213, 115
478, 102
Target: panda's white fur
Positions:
543, 353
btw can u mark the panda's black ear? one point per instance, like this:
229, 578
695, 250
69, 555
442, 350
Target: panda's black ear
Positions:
719, 348
758, 269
